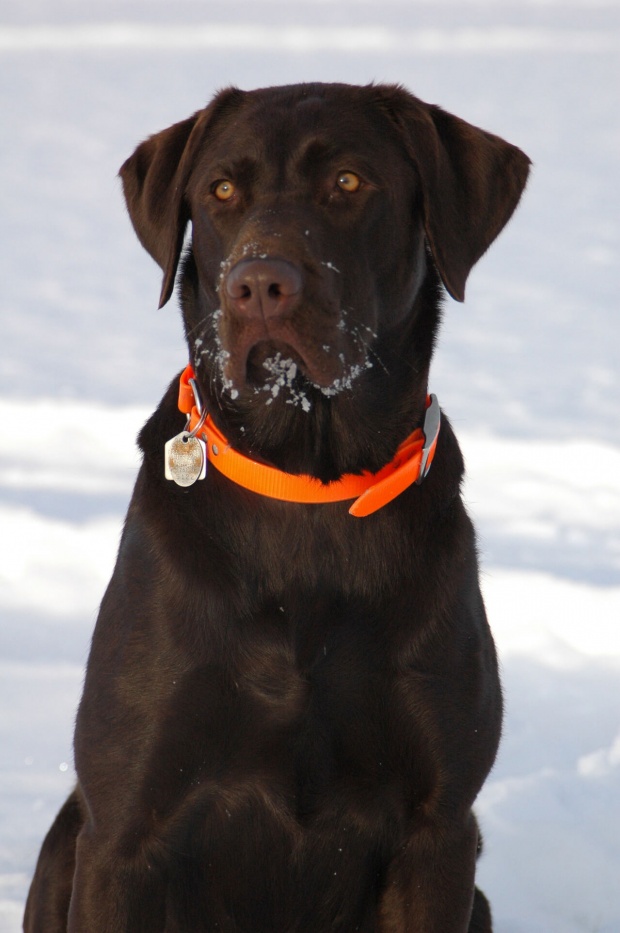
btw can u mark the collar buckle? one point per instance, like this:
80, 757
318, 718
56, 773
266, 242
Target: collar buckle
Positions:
430, 429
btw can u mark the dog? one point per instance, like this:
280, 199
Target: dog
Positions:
292, 697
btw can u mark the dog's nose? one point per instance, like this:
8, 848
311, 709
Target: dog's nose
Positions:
264, 288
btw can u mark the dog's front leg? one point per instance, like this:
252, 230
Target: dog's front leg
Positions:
430, 884
115, 891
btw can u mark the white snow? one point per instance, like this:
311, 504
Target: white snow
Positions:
527, 371
254, 36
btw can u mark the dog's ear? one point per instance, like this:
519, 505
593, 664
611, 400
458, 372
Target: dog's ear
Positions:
155, 181
471, 181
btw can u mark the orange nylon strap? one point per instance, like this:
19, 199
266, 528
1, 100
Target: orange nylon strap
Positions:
371, 491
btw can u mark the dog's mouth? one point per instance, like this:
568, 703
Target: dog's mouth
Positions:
278, 370
288, 369
268, 359
273, 361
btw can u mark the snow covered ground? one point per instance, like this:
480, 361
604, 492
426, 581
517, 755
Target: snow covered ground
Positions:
528, 371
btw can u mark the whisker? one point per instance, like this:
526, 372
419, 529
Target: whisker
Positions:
355, 331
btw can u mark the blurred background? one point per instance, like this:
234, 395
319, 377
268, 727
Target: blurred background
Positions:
527, 369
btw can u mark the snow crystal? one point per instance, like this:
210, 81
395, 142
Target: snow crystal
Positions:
346, 381
282, 371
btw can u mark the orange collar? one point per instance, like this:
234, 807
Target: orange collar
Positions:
371, 491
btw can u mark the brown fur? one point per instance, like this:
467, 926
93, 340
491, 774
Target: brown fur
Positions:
288, 712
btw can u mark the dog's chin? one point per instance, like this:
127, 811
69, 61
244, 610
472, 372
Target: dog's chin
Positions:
281, 364
270, 360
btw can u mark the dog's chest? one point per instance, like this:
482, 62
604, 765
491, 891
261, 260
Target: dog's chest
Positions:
299, 700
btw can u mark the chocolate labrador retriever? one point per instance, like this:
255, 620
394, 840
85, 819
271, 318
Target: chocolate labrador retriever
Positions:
292, 697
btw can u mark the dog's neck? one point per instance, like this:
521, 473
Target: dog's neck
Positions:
371, 491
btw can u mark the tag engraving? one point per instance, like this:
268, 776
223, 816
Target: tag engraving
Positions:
185, 459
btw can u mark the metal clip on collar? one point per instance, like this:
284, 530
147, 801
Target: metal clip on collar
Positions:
430, 429
199, 408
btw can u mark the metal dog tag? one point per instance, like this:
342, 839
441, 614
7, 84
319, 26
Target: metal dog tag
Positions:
185, 459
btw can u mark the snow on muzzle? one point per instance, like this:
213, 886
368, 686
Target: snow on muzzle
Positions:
269, 323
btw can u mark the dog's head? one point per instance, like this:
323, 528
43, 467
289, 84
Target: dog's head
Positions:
319, 215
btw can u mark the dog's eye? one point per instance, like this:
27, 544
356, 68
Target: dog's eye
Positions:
224, 190
348, 181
